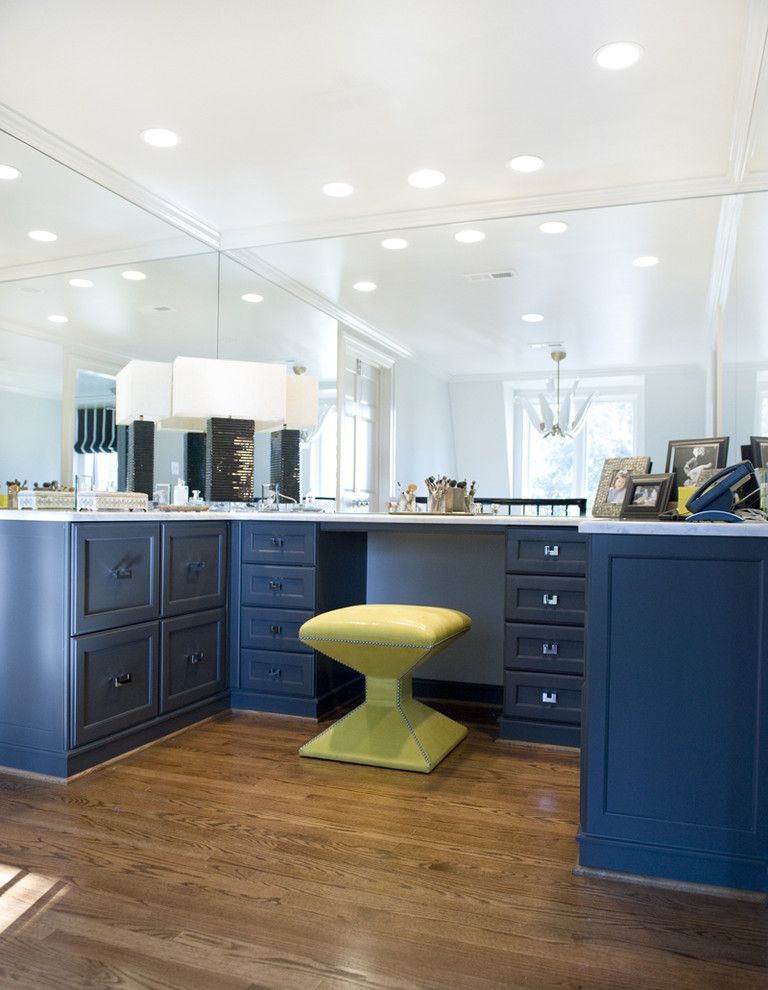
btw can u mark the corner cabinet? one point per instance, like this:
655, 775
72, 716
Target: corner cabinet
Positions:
121, 628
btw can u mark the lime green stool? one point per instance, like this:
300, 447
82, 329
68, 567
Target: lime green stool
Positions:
386, 643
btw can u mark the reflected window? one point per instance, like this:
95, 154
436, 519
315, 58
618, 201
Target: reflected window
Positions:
319, 450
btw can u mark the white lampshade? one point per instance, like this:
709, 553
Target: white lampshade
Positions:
143, 391
302, 404
207, 387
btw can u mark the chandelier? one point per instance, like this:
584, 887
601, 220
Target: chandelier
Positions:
556, 417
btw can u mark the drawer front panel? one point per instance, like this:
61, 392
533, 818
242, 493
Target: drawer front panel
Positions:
550, 600
115, 681
273, 629
541, 696
277, 673
278, 587
194, 566
549, 649
279, 543
542, 552
117, 575
192, 665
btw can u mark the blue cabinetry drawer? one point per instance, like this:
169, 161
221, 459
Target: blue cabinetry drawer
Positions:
194, 566
549, 649
116, 575
273, 629
115, 681
192, 659
277, 673
279, 543
541, 598
278, 587
542, 696
546, 551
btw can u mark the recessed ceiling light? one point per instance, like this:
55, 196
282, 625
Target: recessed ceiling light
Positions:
252, 297
42, 235
645, 261
532, 317
160, 137
9, 173
58, 319
134, 276
469, 236
394, 243
81, 283
338, 189
364, 286
618, 55
553, 227
426, 178
526, 163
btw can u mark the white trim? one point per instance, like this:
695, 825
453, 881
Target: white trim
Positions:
41, 139
750, 89
35, 393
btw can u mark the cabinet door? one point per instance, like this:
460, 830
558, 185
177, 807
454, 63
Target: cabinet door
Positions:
194, 566
549, 649
549, 600
115, 681
278, 543
542, 696
277, 673
278, 587
192, 666
116, 574
273, 629
546, 551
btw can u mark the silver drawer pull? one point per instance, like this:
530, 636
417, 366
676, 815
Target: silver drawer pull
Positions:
275, 630
550, 599
121, 572
275, 674
549, 697
197, 565
276, 585
552, 551
121, 680
549, 649
196, 657
278, 541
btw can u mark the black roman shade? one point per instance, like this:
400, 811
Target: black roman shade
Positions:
96, 432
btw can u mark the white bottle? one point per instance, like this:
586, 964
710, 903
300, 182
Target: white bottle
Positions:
180, 493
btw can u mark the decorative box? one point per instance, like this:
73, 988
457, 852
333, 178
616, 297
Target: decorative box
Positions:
45, 499
112, 501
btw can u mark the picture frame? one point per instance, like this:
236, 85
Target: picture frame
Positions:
614, 479
688, 459
647, 496
759, 455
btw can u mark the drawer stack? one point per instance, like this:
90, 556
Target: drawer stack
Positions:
280, 584
149, 624
544, 635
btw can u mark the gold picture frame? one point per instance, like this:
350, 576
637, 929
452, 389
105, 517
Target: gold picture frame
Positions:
608, 503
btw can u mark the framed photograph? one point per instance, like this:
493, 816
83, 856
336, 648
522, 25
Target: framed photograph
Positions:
759, 455
647, 496
687, 460
614, 480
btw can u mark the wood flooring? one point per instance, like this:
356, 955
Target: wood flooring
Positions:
220, 860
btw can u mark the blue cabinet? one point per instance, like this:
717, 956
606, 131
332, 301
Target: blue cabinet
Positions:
194, 566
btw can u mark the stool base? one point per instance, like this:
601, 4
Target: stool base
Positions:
401, 733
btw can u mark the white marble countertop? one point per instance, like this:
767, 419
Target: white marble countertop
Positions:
655, 527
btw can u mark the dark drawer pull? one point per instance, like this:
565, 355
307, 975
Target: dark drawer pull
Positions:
549, 697
549, 649
552, 551
121, 680
121, 572
276, 585
275, 674
197, 565
549, 599
275, 630
278, 541
196, 657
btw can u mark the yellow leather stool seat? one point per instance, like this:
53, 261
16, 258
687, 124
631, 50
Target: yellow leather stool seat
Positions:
386, 643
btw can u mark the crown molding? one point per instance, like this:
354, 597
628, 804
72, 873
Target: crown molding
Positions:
116, 358
279, 278
750, 89
170, 250
41, 139
33, 393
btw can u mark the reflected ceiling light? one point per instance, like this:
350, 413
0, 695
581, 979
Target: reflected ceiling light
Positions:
8, 173
469, 236
553, 227
338, 189
645, 261
526, 163
364, 286
618, 55
42, 235
426, 178
394, 243
133, 276
56, 318
81, 283
532, 318
556, 417
160, 137
253, 297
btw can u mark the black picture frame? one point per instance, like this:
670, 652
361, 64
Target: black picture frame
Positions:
647, 496
686, 463
759, 456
